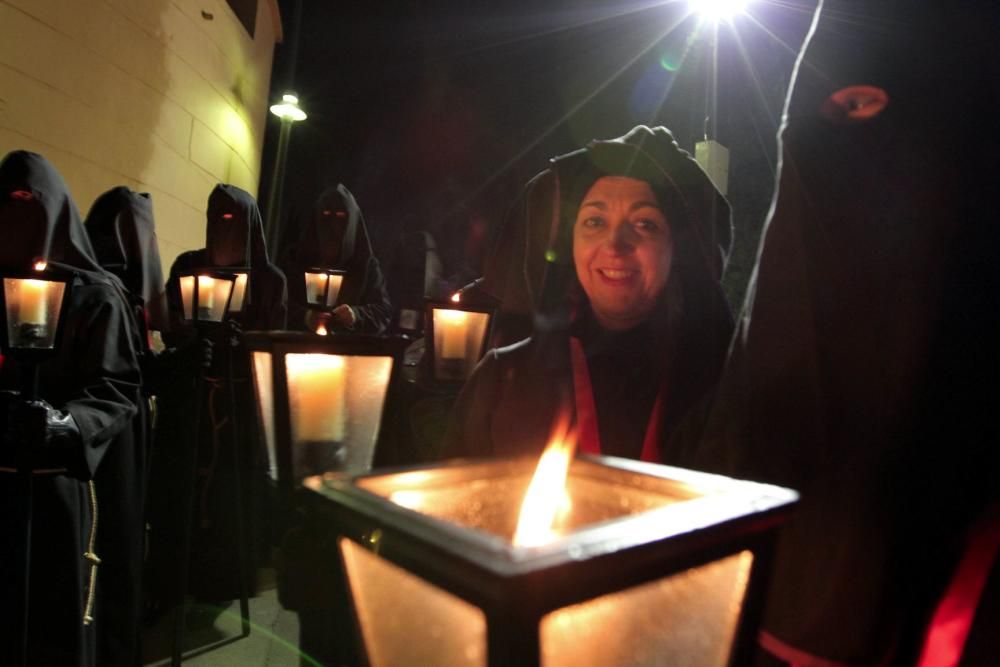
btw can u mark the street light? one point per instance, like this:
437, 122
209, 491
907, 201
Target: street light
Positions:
718, 10
289, 111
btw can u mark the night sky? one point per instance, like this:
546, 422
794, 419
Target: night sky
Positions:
434, 114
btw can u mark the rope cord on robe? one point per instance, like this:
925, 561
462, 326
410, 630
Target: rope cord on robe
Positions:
91, 556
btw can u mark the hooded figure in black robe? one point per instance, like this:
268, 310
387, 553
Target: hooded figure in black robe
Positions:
336, 238
89, 391
864, 372
227, 427
122, 234
643, 379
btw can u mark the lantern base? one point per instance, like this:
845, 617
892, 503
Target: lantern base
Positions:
31, 335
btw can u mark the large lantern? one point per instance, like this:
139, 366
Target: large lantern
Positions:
652, 565
206, 296
458, 331
321, 400
33, 304
323, 288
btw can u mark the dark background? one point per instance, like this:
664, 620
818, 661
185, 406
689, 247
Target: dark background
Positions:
434, 114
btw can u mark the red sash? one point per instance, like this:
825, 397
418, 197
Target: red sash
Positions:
588, 437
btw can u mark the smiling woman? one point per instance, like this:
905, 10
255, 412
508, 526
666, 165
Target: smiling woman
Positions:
632, 325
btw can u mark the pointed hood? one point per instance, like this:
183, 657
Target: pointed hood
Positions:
39, 220
122, 232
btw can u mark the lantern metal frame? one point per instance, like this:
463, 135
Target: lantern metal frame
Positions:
430, 346
280, 343
50, 274
516, 586
215, 274
322, 305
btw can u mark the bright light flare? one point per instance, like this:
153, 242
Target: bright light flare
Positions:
546, 495
321, 329
718, 10
456, 297
40, 265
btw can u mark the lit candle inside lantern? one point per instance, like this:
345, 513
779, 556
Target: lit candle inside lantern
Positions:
454, 332
32, 308
239, 291
206, 297
334, 290
318, 383
315, 286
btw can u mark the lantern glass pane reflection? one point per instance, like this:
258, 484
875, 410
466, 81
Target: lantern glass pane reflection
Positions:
32, 311
239, 292
265, 402
700, 606
335, 404
459, 336
408, 621
213, 295
323, 287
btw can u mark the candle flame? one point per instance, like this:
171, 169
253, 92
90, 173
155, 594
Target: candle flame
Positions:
40, 265
546, 494
321, 329
456, 297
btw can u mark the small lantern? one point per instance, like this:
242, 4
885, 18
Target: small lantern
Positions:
206, 296
653, 565
323, 288
33, 305
321, 399
458, 330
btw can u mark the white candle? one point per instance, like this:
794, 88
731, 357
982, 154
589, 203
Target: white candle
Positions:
318, 387
33, 307
315, 285
454, 332
206, 297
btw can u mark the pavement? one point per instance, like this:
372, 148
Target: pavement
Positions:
212, 636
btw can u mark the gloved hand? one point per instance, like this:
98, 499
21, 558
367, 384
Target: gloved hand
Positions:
43, 429
234, 332
344, 315
194, 354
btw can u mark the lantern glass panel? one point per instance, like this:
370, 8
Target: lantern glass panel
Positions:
213, 293
458, 342
335, 404
263, 382
333, 291
239, 292
407, 621
315, 287
32, 311
688, 618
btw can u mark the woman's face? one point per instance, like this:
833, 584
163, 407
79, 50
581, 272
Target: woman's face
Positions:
622, 249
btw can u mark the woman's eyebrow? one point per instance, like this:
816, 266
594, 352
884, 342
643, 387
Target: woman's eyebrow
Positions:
645, 204
596, 203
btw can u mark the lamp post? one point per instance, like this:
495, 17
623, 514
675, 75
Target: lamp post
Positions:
289, 112
33, 304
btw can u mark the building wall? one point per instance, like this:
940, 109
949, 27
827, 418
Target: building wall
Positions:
165, 96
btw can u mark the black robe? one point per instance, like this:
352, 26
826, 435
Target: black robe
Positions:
336, 238
513, 398
864, 370
121, 230
226, 419
95, 377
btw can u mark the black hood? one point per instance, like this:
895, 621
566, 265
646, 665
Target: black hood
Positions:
39, 220
122, 232
336, 236
234, 234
